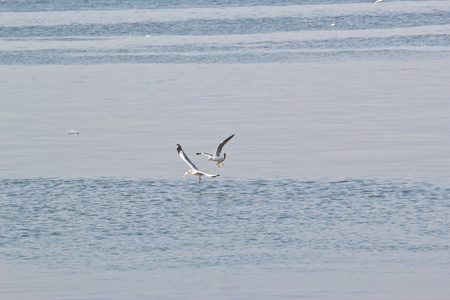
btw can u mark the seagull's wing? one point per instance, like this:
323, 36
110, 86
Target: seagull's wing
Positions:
203, 153
219, 148
209, 175
185, 158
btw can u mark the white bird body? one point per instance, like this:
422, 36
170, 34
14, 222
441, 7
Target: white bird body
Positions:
216, 156
378, 1
193, 169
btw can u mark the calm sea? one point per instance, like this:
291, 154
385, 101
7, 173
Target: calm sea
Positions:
336, 184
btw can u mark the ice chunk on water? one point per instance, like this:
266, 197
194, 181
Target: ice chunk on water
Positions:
72, 131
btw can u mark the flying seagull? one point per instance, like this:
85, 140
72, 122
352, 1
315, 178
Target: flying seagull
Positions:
378, 1
194, 170
216, 157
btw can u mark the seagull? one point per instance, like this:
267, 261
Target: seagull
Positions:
378, 1
194, 170
216, 157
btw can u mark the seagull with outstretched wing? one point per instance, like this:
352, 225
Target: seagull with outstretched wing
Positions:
216, 156
194, 170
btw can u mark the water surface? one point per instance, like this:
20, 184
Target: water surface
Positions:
336, 184
135, 239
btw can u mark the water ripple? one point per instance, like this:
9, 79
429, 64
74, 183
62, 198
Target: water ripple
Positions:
160, 224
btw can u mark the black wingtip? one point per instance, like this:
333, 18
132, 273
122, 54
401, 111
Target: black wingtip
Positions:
178, 148
198, 153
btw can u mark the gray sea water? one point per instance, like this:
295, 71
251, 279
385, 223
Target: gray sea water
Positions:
252, 239
336, 184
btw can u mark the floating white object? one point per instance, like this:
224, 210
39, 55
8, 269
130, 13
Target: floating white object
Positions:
72, 131
378, 1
